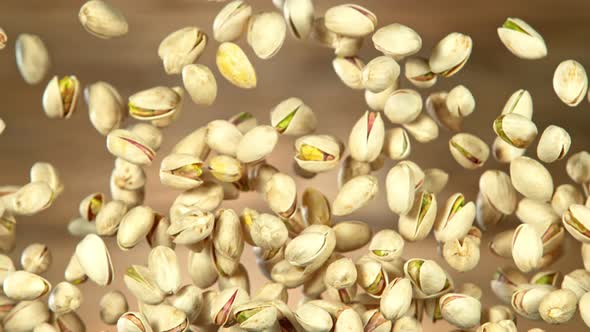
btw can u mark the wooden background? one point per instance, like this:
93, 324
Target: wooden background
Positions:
300, 69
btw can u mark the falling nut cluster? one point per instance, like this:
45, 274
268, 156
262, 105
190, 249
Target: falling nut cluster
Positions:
298, 242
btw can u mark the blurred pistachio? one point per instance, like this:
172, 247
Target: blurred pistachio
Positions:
32, 58
460, 310
6, 267
61, 97
316, 207
223, 137
564, 196
106, 108
266, 34
163, 265
181, 47
504, 152
192, 227
228, 242
570, 82
435, 180
26, 315
423, 129
257, 144
29, 199
293, 117
64, 298
231, 21
349, 70
108, 219
188, 299
244, 121
224, 304
505, 281
577, 222
206, 197
578, 167
351, 235
496, 188
313, 318
140, 281
535, 213
194, 144
403, 106
256, 316
240, 279
81, 227
299, 16
25, 286
380, 73
417, 71
74, 273
311, 248
578, 281
102, 20
350, 20
469, 150
281, 194
584, 306
133, 322
46, 172
91, 205
200, 83
112, 306
531, 179
527, 298
396, 144
417, 224
521, 39
400, 189
268, 232
355, 194
554, 144
450, 54
234, 65
151, 134
201, 267
460, 101
36, 258
377, 101
366, 137
436, 107
317, 153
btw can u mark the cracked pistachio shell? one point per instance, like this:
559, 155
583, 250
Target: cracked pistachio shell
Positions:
281, 194
133, 322
535, 213
113, 306
299, 16
380, 73
521, 103
191, 227
140, 281
129, 146
182, 47
46, 172
460, 310
450, 54
504, 152
158, 234
95, 259
366, 137
268, 232
460, 101
355, 194
552, 236
181, 171
377, 101
435, 180
36, 258
418, 72
224, 304
102, 20
403, 106
400, 187
266, 34
29, 199
311, 248
223, 137
341, 273
3, 39
74, 272
127, 175
486, 214
206, 197
154, 103
228, 240
564, 196
25, 286
418, 222
313, 318
578, 167
515, 129
576, 220
348, 320
436, 107
151, 134
201, 267
521, 39
505, 281
351, 235
350, 71
293, 117
200, 83
531, 179
527, 298
256, 316
317, 153
371, 276
194, 144
397, 40
105, 106
462, 254
374, 321
167, 121
233, 64
316, 207
469, 150
61, 97
570, 82
25, 316
386, 245
423, 129
163, 264
396, 298
350, 20
578, 281
396, 144
231, 21
558, 307
527, 248
244, 121
497, 189
32, 58
257, 144
64, 298
428, 278
584, 306
456, 219
134, 226
91, 205
164, 317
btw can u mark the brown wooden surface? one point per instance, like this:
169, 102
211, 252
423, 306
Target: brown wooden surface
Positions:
300, 69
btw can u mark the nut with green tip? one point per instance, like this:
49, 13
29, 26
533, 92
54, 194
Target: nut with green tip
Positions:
522, 40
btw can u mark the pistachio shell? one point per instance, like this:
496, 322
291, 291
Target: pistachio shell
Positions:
351, 235
26, 315
224, 304
397, 40
526, 299
32, 58
181, 171
299, 15
417, 71
293, 117
313, 318
400, 189
316, 207
154, 103
450, 54
497, 189
231, 21
61, 97
350, 20
234, 65
311, 248
317, 153
515, 129
163, 264
105, 106
149, 133
456, 219
435, 180
266, 34
584, 306
576, 221
95, 259
396, 144
535, 213
418, 222
181, 47
460, 310
194, 144
64, 298
130, 147
141, 283
487, 214
423, 129
531, 179
505, 152
36, 258
469, 150
113, 306
223, 137
428, 278
521, 103
29, 199
257, 143
380, 73
521, 39
377, 101
460, 101
396, 298
102, 20
462, 255
134, 226
3, 39
403, 106
570, 82
564, 196
25, 286
366, 137
201, 268
191, 227
350, 71
386, 245
527, 248
206, 197
436, 107
355, 194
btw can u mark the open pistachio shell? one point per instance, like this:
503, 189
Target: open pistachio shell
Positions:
311, 248
155, 103
191, 227
456, 219
234, 65
206, 197
130, 147
460, 101
423, 129
403, 106
355, 194
350, 20
223, 137
223, 306
463, 254
25, 286
366, 137
460, 310
417, 71
181, 171
515, 129
225, 168
113, 306
105, 106
570, 82
521, 39
436, 107
350, 71
531, 179
29, 199
200, 83
527, 248
428, 278
257, 143
496, 187
102, 20
396, 144
469, 150
577, 222
36, 258
231, 21
377, 101
450, 54
32, 58
181, 47
558, 307
163, 264
400, 189
141, 283
386, 245
379, 74
527, 298
266, 34
64, 298
61, 97
418, 222
293, 117
317, 153
316, 207
91, 206
397, 40
521, 103
505, 281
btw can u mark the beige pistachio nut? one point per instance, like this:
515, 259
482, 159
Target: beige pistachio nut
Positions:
200, 83
182, 47
486, 215
311, 248
423, 129
188, 299
527, 298
32, 58
380, 73
271, 291
2, 126
191, 227
355, 194
505, 281
36, 258
105, 106
267, 231
95, 259
450, 54
351, 168
521, 103
133, 322
456, 219
299, 16
151, 134
233, 64
266, 34
194, 144
570, 82
74, 273
351, 235
103, 20
61, 97
504, 152
127, 176
168, 120
350, 71
460, 101
91, 205
64, 298
154, 103
501, 244
340, 274
462, 254
418, 222
228, 242
417, 71
26, 315
281, 194
500, 312
531, 179
403, 106
469, 150
293, 117
576, 220
407, 324
206, 197
536, 213
201, 267
316, 207
497, 189
515, 129
366, 137
129, 146
396, 144
350, 20
45, 327
224, 304
564, 196
374, 321
435, 180
377, 101
554, 144
386, 245
113, 305
317, 153
181, 171
396, 298
436, 107
553, 236
163, 265
584, 306
428, 279
400, 188
285, 273
164, 317
109, 217
134, 226
46, 172
140, 281
225, 168
256, 316
521, 39
313, 318
460, 310
25, 286
527, 248
239, 279
578, 167
257, 143
29, 199
231, 21
223, 137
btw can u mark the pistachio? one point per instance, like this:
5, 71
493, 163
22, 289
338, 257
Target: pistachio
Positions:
377, 101
133, 322
316, 207
30, 199
257, 143
191, 227
460, 101
456, 219
350, 71
463, 254
293, 117
224, 304
505, 281
254, 316
521, 103
578, 167
400, 189
95, 259
74, 273
64, 298
403, 106
564, 196
501, 244
423, 129
428, 278
531, 179
396, 144
141, 283
201, 268
182, 47
355, 194
521, 39
436, 107
223, 137
281, 194
351, 235
150, 133
460, 310
469, 150
379, 74
61, 97
515, 129
266, 34
417, 224
32, 58
570, 82
231, 21
313, 318
36, 258
317, 153
311, 248
234, 65
129, 146
527, 248
194, 144
206, 197
134, 226
575, 219
228, 242
417, 71
578, 281
350, 20
102, 20
366, 137
25, 286
386, 245
496, 188
398, 41
527, 298
396, 298
163, 265
505, 152
450, 54
299, 17
535, 213
113, 306
26, 315
181, 171
105, 106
